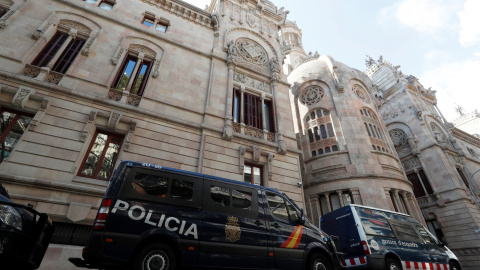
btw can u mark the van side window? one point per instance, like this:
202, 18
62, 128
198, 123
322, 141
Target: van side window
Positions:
182, 190
281, 208
425, 235
241, 199
374, 222
220, 195
404, 231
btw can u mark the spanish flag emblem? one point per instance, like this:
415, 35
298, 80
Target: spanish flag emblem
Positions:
294, 239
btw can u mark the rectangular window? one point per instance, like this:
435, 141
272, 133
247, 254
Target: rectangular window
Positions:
241, 199
236, 105
462, 175
126, 72
277, 206
107, 5
50, 49
374, 222
67, 57
252, 111
12, 126
252, 174
220, 195
101, 157
161, 27
148, 21
269, 120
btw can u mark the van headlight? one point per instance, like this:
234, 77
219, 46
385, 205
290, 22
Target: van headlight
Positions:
10, 217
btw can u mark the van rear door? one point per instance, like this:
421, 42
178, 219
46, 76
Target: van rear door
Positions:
233, 229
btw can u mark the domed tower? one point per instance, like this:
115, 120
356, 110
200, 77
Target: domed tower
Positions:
292, 42
348, 154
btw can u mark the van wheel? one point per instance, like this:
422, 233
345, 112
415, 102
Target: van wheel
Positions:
392, 264
454, 266
318, 262
155, 257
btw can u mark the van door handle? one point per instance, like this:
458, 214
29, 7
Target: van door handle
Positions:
258, 223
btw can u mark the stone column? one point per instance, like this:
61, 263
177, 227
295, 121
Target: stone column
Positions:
262, 105
315, 208
242, 102
282, 147
416, 212
228, 129
405, 199
398, 202
327, 199
357, 199
340, 198
389, 199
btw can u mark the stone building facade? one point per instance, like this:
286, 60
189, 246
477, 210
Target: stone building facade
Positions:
85, 84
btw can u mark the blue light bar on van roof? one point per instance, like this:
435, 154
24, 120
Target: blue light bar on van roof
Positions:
131, 164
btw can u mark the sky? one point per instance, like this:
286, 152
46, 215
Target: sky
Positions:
437, 41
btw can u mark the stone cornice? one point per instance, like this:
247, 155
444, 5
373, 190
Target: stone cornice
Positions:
184, 10
466, 137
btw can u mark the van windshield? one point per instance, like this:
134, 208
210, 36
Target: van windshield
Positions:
374, 222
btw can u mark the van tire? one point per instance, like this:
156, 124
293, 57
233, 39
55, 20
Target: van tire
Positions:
318, 262
454, 266
155, 257
392, 264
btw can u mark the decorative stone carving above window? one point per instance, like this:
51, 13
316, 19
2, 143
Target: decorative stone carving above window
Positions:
249, 54
399, 138
472, 152
360, 93
247, 81
312, 95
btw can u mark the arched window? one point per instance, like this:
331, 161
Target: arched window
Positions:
321, 128
317, 135
314, 154
310, 136
327, 150
334, 148
372, 125
324, 132
330, 130
320, 151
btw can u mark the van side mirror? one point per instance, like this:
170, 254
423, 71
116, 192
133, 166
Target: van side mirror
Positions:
301, 219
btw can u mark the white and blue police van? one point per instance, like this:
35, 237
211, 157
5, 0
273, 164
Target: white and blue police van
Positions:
377, 239
158, 218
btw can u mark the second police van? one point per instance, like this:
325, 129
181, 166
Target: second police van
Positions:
377, 239
157, 218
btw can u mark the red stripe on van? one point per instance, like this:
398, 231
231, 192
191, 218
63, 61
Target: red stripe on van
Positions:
352, 261
416, 265
445, 267
439, 266
424, 265
362, 260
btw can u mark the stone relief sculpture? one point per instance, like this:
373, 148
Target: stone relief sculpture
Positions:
311, 95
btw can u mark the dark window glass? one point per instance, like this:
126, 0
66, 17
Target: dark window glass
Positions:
236, 106
324, 131
404, 231
68, 55
148, 21
366, 126
326, 113
12, 127
361, 111
252, 111
107, 5
101, 157
241, 199
425, 182
292, 212
161, 27
220, 195
150, 184
426, 235
319, 113
50, 49
327, 149
330, 130
374, 222
181, 190
269, 120
371, 129
3, 10
314, 153
253, 174
435, 229
394, 202
374, 147
277, 206
308, 119
317, 136
320, 151
462, 175
310, 136
312, 114
334, 148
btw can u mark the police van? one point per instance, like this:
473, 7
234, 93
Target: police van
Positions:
154, 218
372, 238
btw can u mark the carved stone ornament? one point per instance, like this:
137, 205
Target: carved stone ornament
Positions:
251, 51
114, 119
54, 77
252, 18
156, 71
129, 136
133, 100
88, 45
114, 94
31, 71
247, 81
312, 95
117, 56
40, 113
399, 138
256, 152
228, 130
68, 24
360, 93
88, 126
282, 146
5, 17
22, 96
